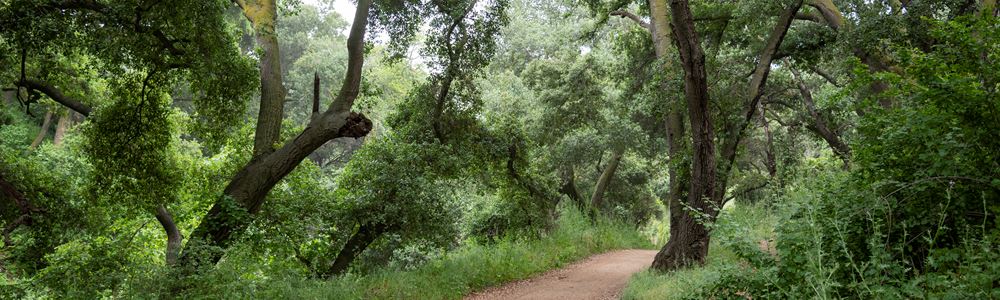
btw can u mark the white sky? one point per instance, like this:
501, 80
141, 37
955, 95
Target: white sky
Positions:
343, 7
346, 9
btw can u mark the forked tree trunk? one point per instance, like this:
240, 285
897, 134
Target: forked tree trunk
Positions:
245, 194
679, 166
689, 240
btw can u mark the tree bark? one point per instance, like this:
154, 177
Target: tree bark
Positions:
366, 235
597, 199
263, 14
315, 108
772, 165
688, 242
44, 131
818, 124
834, 18
246, 193
65, 121
174, 237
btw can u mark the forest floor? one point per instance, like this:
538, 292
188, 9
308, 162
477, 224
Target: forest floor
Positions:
601, 276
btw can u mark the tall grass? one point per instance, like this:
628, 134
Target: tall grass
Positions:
470, 268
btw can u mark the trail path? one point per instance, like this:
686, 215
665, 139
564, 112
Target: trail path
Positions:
601, 276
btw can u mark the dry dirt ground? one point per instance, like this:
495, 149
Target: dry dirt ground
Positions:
601, 276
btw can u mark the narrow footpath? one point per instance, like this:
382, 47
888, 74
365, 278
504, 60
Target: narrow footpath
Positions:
601, 276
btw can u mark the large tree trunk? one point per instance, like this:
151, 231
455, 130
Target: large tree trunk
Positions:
174, 237
690, 243
597, 199
366, 235
689, 240
679, 166
245, 194
44, 131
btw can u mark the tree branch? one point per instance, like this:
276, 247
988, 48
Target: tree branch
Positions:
757, 82
102, 9
805, 16
633, 17
315, 108
26, 208
748, 190
829, 78
55, 94
819, 125
355, 59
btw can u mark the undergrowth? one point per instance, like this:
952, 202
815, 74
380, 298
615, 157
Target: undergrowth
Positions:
469, 268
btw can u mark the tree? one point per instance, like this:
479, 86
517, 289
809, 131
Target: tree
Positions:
709, 177
247, 191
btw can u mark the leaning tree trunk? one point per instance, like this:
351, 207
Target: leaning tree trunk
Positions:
597, 199
43, 131
65, 121
366, 235
819, 125
173, 234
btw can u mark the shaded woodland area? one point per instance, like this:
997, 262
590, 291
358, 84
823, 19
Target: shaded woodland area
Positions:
431, 148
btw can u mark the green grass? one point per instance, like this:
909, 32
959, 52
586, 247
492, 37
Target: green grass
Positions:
751, 223
470, 268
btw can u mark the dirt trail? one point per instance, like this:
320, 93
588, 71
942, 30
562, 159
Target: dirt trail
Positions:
601, 276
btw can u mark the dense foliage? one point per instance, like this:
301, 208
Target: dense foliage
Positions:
428, 149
